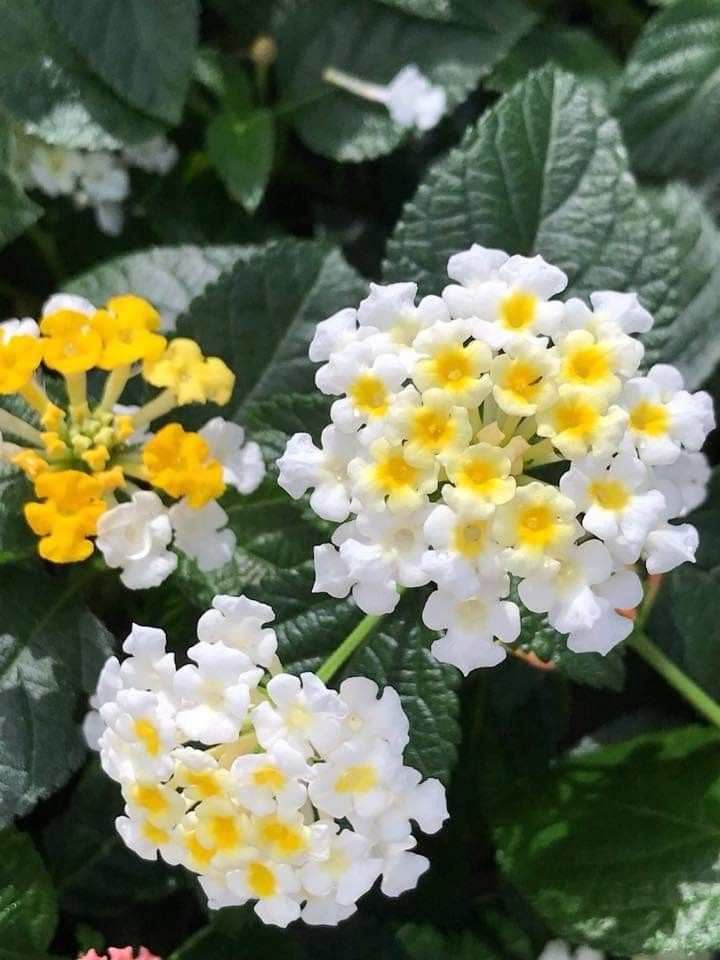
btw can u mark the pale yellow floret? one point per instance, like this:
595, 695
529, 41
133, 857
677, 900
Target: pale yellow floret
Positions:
652, 419
434, 428
588, 364
457, 369
522, 381
578, 421
284, 839
390, 477
538, 525
518, 311
480, 476
609, 494
358, 779
369, 395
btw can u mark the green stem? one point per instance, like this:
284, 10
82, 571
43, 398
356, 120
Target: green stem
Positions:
349, 645
678, 680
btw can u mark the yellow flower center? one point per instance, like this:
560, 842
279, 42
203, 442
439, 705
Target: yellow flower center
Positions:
147, 734
432, 429
469, 538
369, 395
536, 527
225, 832
609, 494
205, 783
360, 778
452, 368
394, 472
269, 776
649, 418
154, 834
200, 854
523, 379
150, 799
285, 839
576, 416
587, 364
261, 880
517, 310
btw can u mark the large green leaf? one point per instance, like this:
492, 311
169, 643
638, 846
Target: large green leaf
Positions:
28, 905
397, 654
143, 51
260, 316
545, 172
241, 146
17, 541
670, 101
170, 277
620, 847
51, 650
576, 50
689, 337
374, 42
95, 874
45, 86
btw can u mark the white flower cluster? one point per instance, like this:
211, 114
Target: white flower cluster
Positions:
97, 179
454, 417
272, 788
135, 536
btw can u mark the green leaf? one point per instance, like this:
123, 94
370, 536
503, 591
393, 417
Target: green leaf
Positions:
28, 906
241, 148
143, 51
16, 538
692, 296
272, 422
545, 172
397, 654
670, 99
17, 211
689, 601
491, 13
620, 847
226, 78
592, 669
95, 874
423, 942
50, 92
576, 50
260, 316
51, 651
232, 927
169, 277
373, 43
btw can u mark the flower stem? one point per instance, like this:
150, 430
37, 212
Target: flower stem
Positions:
678, 680
354, 85
349, 645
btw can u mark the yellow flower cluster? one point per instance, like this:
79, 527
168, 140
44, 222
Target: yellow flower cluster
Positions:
80, 456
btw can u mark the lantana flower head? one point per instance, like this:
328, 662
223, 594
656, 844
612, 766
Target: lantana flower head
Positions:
273, 789
98, 477
521, 446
